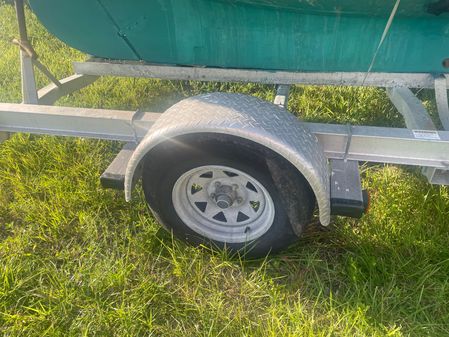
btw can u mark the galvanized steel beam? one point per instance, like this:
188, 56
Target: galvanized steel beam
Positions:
100, 67
441, 100
282, 93
411, 108
375, 144
416, 117
120, 125
52, 92
29, 91
384, 145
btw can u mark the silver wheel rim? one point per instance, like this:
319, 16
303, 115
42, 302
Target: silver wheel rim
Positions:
223, 204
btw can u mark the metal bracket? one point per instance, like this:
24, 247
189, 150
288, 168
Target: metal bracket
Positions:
411, 108
51, 93
29, 89
114, 176
103, 67
347, 196
136, 116
282, 93
441, 99
417, 118
28, 49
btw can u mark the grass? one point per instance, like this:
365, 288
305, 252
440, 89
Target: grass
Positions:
76, 260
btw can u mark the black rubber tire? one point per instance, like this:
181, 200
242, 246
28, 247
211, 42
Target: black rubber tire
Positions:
168, 161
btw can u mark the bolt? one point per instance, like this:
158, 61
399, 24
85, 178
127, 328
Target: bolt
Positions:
235, 187
217, 184
223, 201
239, 200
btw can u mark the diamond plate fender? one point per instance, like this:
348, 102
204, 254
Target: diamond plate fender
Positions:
246, 117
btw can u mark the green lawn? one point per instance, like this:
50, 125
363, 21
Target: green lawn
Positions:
76, 259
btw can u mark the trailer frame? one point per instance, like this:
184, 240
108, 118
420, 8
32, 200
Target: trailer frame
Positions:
420, 144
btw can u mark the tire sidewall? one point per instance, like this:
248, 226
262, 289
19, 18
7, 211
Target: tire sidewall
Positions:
159, 180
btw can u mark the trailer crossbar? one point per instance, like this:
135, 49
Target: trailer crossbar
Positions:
100, 67
80, 122
368, 143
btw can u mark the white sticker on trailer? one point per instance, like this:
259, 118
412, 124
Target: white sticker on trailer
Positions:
426, 134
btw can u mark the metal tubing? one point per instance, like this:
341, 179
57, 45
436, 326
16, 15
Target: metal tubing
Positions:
375, 144
384, 145
52, 92
29, 91
411, 108
100, 67
79, 122
282, 93
417, 117
441, 99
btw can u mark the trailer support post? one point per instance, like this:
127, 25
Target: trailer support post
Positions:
29, 89
417, 118
282, 93
441, 99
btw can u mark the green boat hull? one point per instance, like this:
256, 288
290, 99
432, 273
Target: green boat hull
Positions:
309, 35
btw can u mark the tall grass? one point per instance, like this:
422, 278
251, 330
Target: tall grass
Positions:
75, 259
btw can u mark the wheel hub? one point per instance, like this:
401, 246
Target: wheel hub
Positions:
223, 204
225, 195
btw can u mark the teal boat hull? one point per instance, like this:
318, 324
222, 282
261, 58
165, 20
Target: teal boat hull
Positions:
313, 36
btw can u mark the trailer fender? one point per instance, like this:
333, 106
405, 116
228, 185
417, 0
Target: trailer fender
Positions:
247, 117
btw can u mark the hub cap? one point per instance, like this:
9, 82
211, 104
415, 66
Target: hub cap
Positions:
223, 204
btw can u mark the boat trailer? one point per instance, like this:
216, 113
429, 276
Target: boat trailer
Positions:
326, 155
